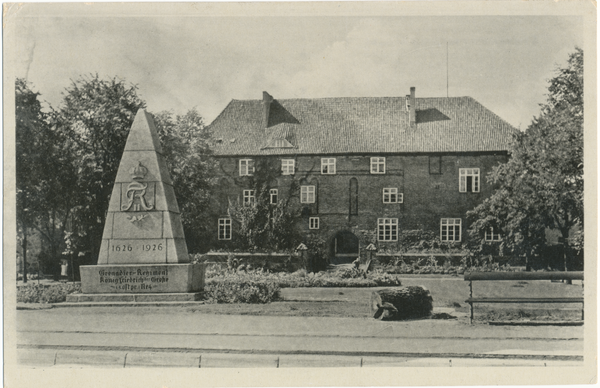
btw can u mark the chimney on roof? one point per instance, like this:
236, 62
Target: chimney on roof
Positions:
411, 107
267, 100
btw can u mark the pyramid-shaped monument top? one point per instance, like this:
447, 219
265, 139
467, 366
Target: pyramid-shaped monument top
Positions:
143, 224
143, 135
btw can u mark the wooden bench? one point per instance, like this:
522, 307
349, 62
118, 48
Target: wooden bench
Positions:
516, 276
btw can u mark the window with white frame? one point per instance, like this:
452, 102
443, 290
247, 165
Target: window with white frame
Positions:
468, 180
246, 167
387, 229
249, 197
327, 165
273, 196
278, 143
307, 194
391, 195
288, 166
450, 229
491, 235
313, 223
377, 165
224, 228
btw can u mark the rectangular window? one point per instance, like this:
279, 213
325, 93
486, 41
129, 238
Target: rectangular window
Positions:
249, 197
327, 165
224, 229
377, 165
273, 196
313, 223
387, 229
490, 235
287, 166
307, 194
450, 229
468, 180
435, 164
390, 195
246, 167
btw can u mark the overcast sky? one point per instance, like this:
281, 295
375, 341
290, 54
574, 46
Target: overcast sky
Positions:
179, 63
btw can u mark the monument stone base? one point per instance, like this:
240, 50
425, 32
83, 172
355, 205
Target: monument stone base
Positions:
135, 298
135, 279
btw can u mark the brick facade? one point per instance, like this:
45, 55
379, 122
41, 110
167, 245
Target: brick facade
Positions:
352, 198
425, 142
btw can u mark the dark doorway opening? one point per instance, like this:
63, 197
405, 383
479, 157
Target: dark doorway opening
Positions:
344, 248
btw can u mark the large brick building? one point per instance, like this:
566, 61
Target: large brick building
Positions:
367, 168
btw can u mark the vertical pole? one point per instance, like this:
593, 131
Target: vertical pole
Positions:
447, 82
24, 254
582, 303
470, 302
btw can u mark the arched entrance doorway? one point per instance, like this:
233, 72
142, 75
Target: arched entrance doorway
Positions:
343, 248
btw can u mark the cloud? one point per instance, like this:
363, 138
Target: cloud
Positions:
204, 62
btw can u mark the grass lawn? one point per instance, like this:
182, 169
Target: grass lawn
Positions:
446, 292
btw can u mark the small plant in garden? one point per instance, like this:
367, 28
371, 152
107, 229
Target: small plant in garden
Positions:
236, 289
351, 273
46, 293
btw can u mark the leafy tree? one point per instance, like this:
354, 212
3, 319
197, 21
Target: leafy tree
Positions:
44, 173
261, 224
541, 186
97, 114
185, 142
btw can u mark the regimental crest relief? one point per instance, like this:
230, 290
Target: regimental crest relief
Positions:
139, 195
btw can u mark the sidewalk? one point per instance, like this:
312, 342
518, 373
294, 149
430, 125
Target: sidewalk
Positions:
174, 329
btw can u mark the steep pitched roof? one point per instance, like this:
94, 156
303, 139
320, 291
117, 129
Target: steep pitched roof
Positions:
359, 125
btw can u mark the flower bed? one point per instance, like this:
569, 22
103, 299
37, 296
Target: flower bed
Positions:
236, 289
301, 278
46, 293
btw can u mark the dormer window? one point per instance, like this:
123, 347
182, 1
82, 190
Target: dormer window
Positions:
278, 143
246, 167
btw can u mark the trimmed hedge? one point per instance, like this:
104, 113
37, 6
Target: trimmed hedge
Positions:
301, 278
235, 289
46, 293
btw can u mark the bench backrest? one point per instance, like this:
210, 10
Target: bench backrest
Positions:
553, 275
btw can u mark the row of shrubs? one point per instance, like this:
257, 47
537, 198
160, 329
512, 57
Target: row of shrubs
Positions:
229, 290
446, 270
234, 286
351, 277
243, 285
46, 293
239, 290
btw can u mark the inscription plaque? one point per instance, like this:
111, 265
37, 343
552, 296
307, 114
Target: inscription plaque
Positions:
134, 279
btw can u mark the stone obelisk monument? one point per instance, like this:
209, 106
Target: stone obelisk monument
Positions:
143, 256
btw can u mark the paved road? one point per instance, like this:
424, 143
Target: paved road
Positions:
161, 336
